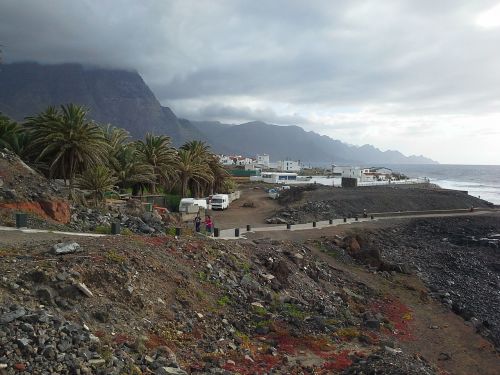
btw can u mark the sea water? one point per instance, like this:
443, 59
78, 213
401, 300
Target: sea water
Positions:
481, 181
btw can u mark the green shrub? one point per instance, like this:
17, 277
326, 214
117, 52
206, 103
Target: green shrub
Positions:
224, 301
170, 231
126, 232
103, 229
294, 311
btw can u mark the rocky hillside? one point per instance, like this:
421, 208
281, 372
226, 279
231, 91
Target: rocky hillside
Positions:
23, 189
118, 97
160, 305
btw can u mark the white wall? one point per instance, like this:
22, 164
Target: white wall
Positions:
289, 166
263, 159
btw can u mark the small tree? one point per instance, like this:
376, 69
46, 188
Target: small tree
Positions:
98, 180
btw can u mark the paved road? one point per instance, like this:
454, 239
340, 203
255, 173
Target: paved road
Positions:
230, 233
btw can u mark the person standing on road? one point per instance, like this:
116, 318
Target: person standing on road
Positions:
197, 223
208, 224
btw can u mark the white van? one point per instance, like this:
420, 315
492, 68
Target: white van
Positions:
192, 205
220, 201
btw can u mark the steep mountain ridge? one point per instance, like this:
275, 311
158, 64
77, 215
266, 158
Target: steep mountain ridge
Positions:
123, 99
118, 97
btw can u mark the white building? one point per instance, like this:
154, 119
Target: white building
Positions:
275, 177
347, 171
362, 174
226, 160
263, 160
235, 160
242, 160
289, 166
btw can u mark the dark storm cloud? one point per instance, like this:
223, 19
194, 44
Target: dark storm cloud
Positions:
333, 52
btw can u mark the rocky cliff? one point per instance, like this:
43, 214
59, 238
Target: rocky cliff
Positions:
113, 96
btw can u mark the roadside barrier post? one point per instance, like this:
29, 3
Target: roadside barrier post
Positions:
345, 220
314, 224
372, 217
21, 220
115, 228
330, 221
177, 231
216, 232
236, 232
289, 226
356, 217
249, 227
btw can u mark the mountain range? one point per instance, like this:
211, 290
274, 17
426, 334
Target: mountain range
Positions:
123, 99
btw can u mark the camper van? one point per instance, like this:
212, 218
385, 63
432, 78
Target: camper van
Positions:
192, 205
220, 201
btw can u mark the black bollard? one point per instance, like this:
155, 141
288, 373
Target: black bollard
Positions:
372, 217
289, 226
236, 232
345, 220
249, 227
356, 217
314, 224
216, 232
177, 231
330, 221
21, 220
115, 228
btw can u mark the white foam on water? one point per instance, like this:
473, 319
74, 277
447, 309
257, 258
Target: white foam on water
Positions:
487, 192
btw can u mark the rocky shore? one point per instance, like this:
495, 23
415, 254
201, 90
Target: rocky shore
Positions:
458, 258
314, 203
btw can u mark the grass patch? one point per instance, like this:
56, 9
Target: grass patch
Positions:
102, 229
4, 252
113, 256
348, 333
294, 311
224, 301
126, 232
261, 311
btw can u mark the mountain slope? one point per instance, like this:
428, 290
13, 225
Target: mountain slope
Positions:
294, 142
123, 99
113, 96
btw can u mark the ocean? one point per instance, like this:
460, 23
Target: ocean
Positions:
479, 180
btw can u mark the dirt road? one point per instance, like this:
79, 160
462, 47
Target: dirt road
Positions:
238, 216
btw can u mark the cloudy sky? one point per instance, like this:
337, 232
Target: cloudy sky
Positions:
419, 76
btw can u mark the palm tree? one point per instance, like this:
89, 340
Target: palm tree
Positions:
98, 180
221, 175
68, 141
117, 139
200, 153
130, 170
157, 152
199, 149
9, 131
191, 169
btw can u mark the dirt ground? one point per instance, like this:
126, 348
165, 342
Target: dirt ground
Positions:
238, 216
441, 336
